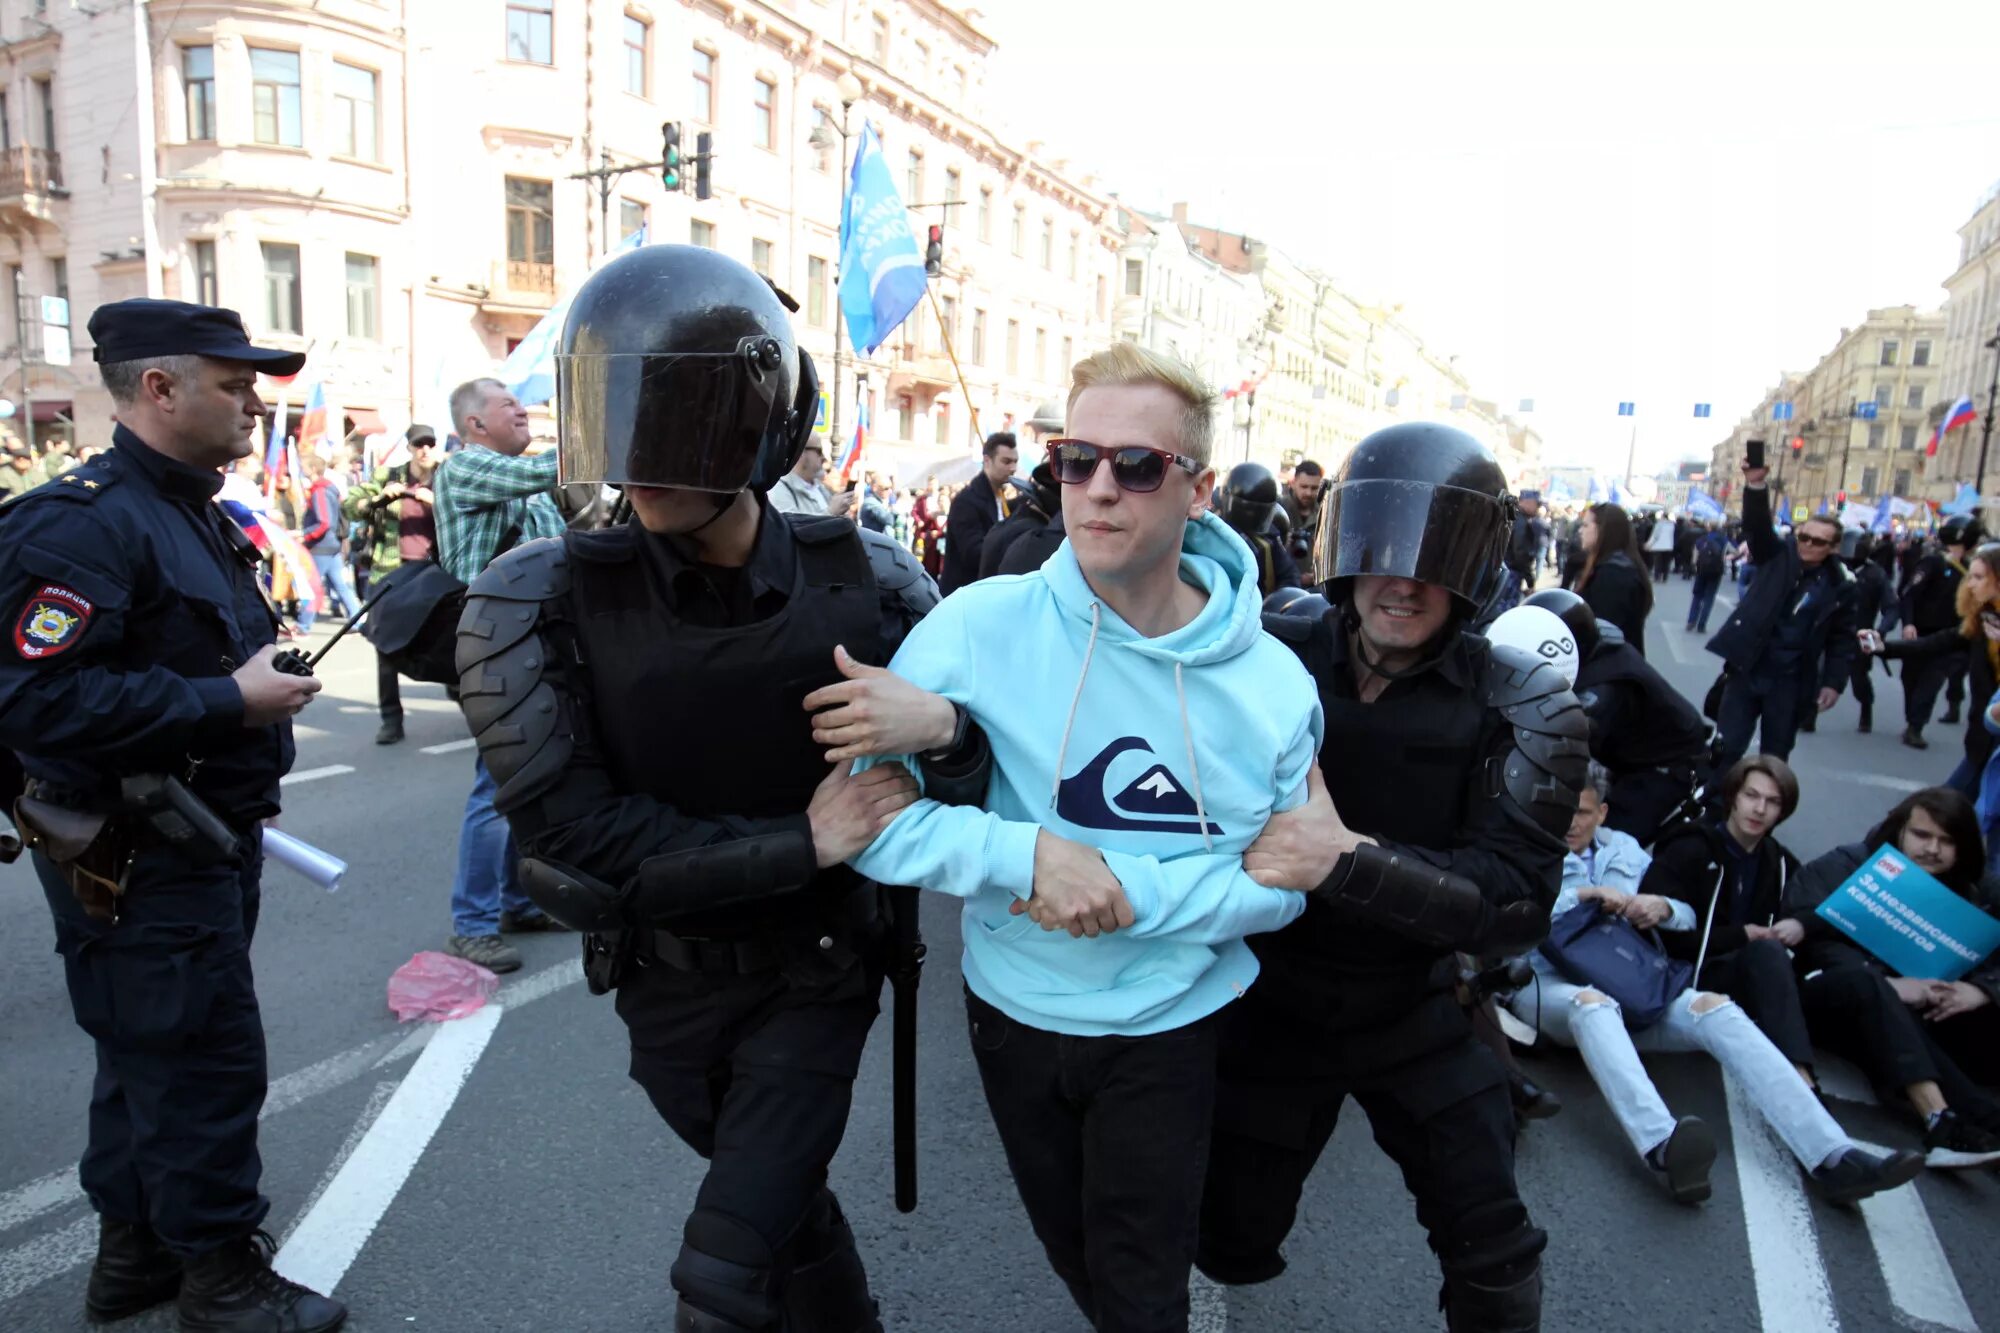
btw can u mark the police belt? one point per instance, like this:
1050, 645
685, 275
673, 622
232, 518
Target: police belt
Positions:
714, 957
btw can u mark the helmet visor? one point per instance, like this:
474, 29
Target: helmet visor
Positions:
1411, 530
692, 421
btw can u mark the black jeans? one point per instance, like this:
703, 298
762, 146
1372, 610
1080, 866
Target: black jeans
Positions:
1107, 1138
1853, 1011
167, 995
1923, 677
1764, 706
387, 691
1759, 978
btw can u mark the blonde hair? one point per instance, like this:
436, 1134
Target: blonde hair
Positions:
1126, 363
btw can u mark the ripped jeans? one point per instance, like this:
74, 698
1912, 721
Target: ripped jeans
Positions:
1695, 1021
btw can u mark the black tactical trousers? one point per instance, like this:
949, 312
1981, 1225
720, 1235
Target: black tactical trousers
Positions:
168, 996
1443, 1117
755, 1073
1853, 1011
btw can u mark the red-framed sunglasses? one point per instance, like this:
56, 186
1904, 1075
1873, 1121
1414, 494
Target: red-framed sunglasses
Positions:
1134, 467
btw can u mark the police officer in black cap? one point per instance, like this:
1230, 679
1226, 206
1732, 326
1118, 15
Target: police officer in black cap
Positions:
1247, 500
643, 697
139, 690
1453, 766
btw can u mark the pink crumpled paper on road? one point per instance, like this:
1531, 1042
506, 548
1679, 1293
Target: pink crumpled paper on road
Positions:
437, 987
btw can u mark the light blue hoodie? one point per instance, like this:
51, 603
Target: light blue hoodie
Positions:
1174, 752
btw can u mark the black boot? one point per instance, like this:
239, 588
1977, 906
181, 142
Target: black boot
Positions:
1914, 738
391, 732
234, 1290
824, 1287
1509, 1302
1950, 717
133, 1272
1531, 1100
1867, 719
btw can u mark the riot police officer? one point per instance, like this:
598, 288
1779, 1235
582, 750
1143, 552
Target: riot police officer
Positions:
638, 693
1453, 766
1247, 500
1651, 739
140, 691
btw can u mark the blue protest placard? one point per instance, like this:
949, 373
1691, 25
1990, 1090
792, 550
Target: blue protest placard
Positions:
1898, 912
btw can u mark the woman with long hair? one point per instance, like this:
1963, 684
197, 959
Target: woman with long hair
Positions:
1614, 580
1932, 1042
1977, 635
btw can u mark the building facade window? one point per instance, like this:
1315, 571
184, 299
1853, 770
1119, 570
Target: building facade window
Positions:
954, 191
638, 35
826, 132
1907, 438
1890, 350
878, 38
1869, 476
1914, 397
59, 277
274, 97
207, 290
6, 123
941, 413
45, 108
354, 113
1041, 354
913, 179
1075, 250
1068, 359
1902, 482
1018, 229
1049, 245
816, 269
906, 417
1920, 354
977, 352
364, 284
764, 114
985, 216
948, 327
283, 308
702, 107
198, 82
1013, 347
1883, 393
760, 257
1877, 433
631, 218
1135, 277
701, 233
531, 232
531, 31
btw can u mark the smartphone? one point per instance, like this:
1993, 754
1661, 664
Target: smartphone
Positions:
1753, 453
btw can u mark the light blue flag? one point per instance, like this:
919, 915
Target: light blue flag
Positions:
1883, 513
1620, 496
1598, 493
529, 372
1701, 505
881, 268
1964, 502
1559, 492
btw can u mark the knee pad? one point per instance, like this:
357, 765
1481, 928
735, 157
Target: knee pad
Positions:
725, 1277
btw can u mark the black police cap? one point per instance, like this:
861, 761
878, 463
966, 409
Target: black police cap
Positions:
142, 328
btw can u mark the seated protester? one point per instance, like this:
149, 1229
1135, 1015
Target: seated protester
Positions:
1908, 1034
1604, 867
1730, 869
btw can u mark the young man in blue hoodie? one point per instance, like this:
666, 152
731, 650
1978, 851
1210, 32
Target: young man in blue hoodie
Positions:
1106, 899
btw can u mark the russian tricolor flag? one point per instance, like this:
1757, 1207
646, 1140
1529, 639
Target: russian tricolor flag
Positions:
1961, 412
850, 457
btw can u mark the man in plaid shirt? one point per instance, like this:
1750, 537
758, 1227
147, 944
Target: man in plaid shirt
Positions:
490, 496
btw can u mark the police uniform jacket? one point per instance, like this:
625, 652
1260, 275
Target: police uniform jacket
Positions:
131, 598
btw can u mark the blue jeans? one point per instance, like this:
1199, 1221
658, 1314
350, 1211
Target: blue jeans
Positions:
339, 585
1611, 1050
1705, 586
1768, 706
485, 884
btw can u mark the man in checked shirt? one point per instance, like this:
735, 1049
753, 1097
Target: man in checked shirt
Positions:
492, 495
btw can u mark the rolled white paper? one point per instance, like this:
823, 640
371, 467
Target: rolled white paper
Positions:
322, 868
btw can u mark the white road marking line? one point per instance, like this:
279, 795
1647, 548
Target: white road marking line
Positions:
1208, 1312
1919, 1277
449, 747
1880, 780
1672, 636
1792, 1291
59, 1189
315, 774
302, 732
45, 1257
362, 1124
329, 1238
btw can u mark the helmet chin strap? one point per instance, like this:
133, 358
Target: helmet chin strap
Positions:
722, 502
1352, 621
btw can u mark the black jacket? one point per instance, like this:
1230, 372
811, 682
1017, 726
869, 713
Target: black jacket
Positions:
1825, 946
1830, 645
1979, 681
974, 513
1688, 865
1872, 594
1620, 592
1637, 719
1027, 517
1930, 599
1032, 549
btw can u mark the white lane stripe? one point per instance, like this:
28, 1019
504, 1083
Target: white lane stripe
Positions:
1882, 780
364, 1122
60, 1189
1792, 1291
330, 1236
315, 774
1208, 1312
1671, 635
45, 1257
449, 747
1914, 1268
302, 732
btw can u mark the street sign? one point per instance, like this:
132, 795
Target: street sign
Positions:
55, 344
1527, 405
1701, 409
1866, 410
1800, 513
1781, 411
1627, 409
55, 310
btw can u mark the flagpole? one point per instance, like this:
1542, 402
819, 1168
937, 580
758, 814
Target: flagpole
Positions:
848, 89
972, 408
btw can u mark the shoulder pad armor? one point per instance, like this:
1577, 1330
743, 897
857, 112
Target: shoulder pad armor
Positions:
1543, 769
897, 572
1291, 629
512, 710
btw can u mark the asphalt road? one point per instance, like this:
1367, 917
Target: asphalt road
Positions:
502, 1173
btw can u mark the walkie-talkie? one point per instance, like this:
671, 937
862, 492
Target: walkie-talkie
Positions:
295, 663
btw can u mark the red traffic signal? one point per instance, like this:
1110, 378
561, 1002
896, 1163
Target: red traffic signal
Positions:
1798, 444
934, 251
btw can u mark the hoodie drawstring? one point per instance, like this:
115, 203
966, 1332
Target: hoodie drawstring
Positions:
1062, 750
1194, 769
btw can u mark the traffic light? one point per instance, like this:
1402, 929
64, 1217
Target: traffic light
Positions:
934, 251
670, 155
1798, 445
704, 149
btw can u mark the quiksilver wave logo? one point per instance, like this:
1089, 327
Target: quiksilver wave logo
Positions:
1151, 799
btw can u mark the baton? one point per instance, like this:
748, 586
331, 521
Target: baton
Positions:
295, 663
906, 968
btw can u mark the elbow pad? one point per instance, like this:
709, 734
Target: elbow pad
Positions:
745, 870
1434, 907
961, 777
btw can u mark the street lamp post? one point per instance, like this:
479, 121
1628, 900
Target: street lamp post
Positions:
1986, 431
848, 89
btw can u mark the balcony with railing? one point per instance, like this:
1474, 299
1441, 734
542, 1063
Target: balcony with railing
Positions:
30, 178
522, 284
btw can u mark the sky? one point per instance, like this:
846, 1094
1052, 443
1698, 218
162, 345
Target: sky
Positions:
1586, 203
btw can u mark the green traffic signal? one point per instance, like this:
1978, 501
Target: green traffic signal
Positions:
670, 155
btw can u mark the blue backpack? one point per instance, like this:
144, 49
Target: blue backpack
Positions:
1594, 948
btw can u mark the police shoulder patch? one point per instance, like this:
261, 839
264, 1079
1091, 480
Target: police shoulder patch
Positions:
51, 622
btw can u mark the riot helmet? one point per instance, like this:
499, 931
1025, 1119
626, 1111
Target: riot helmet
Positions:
1419, 501
678, 367
1542, 634
1300, 603
1960, 530
1574, 612
1247, 498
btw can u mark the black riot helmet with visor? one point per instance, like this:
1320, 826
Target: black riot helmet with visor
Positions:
678, 367
1247, 499
1417, 501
